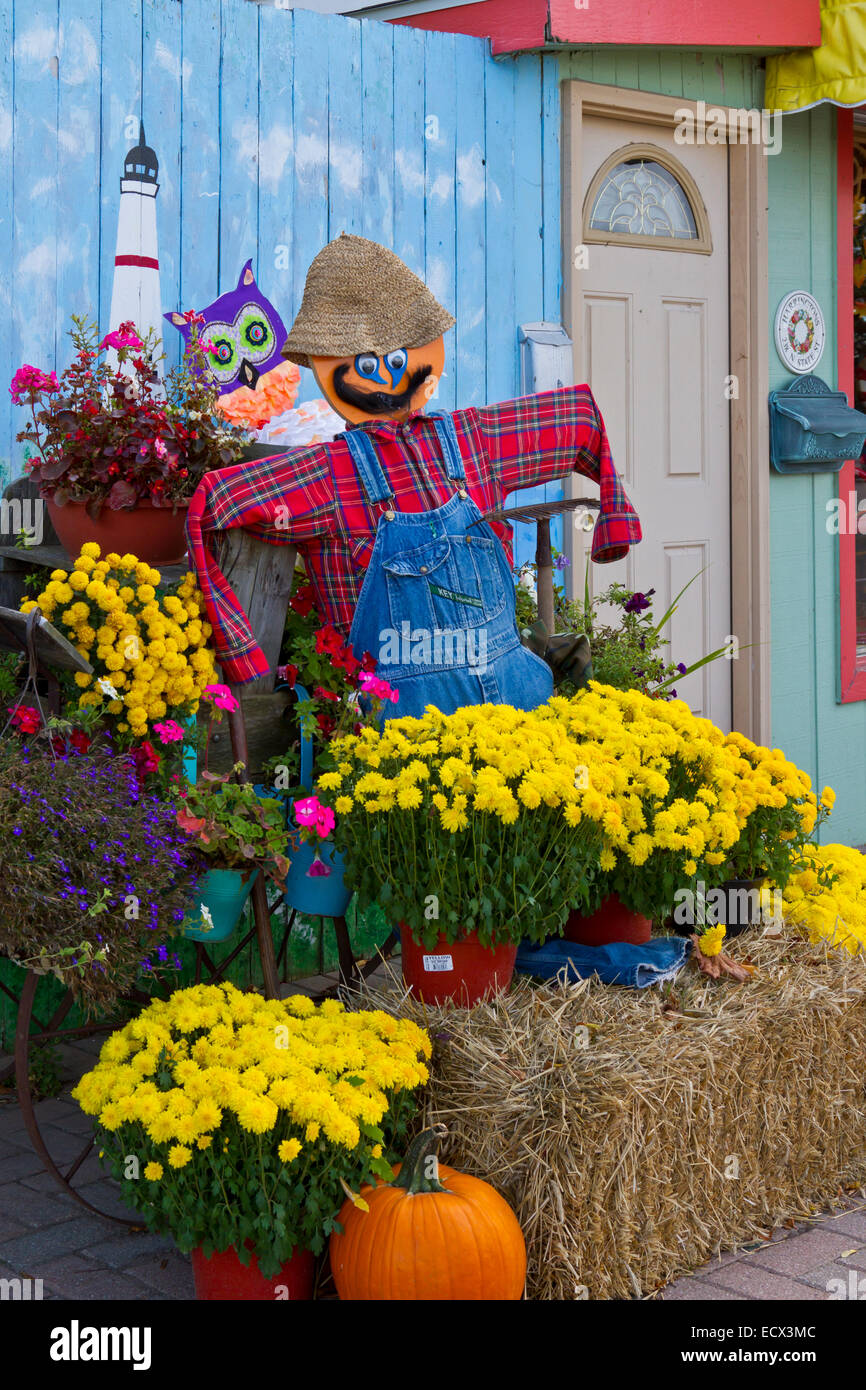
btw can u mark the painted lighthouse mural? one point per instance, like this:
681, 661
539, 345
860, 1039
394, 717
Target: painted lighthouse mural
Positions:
135, 291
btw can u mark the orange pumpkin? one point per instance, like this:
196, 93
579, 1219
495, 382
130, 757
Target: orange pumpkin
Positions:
432, 1233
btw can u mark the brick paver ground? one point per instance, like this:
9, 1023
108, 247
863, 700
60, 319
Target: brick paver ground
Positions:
45, 1235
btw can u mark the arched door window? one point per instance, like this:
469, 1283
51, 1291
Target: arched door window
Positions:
642, 196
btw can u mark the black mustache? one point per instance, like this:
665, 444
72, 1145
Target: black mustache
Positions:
377, 402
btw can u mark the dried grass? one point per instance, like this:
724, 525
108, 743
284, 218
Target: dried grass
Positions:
614, 1153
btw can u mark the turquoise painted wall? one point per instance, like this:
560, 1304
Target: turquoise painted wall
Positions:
734, 79
823, 736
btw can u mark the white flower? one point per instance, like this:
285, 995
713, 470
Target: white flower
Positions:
107, 688
206, 917
526, 580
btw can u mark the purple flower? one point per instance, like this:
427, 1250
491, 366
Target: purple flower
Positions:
318, 870
562, 562
638, 602
682, 669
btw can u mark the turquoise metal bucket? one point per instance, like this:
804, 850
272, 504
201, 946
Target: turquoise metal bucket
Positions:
224, 893
318, 896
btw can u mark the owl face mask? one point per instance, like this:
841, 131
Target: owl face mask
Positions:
246, 332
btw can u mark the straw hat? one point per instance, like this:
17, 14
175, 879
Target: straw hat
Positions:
360, 297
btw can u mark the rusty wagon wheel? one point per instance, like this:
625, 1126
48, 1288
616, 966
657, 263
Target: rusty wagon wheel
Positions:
63, 1171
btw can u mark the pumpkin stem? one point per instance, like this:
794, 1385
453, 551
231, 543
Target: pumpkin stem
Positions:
419, 1171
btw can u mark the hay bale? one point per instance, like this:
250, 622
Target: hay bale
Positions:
637, 1133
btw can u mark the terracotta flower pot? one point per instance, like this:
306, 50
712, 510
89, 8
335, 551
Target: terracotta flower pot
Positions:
223, 1277
613, 921
154, 534
463, 970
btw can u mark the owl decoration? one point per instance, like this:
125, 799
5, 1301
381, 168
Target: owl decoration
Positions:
246, 334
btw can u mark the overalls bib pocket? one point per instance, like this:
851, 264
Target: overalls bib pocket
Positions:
408, 577
447, 585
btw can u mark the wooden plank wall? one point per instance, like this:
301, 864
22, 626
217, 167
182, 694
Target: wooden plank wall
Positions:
275, 130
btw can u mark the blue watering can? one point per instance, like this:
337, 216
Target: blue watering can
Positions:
315, 897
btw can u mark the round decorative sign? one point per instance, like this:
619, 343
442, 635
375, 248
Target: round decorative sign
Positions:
799, 331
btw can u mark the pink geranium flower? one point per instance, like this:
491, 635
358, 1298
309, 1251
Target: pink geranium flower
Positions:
29, 381
306, 810
169, 731
310, 812
122, 337
221, 696
373, 685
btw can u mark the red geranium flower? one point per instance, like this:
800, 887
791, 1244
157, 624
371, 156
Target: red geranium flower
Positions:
320, 693
289, 674
25, 719
328, 641
146, 759
303, 600
326, 724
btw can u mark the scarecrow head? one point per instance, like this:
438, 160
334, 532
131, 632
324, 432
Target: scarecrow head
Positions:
370, 330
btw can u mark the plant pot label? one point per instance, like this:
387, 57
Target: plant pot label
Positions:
438, 963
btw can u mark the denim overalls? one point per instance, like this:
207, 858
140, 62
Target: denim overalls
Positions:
437, 607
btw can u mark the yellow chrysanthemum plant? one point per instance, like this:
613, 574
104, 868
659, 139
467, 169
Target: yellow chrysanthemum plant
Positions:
505, 819
235, 1122
467, 822
148, 643
826, 899
675, 798
779, 814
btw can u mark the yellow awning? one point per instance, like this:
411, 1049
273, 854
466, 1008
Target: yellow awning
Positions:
835, 72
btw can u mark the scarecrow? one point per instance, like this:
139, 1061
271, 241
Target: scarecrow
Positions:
390, 515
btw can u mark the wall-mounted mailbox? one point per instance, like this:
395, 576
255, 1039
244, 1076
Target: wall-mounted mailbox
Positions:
813, 429
546, 362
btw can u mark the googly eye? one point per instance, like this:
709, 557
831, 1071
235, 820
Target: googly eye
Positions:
367, 365
395, 363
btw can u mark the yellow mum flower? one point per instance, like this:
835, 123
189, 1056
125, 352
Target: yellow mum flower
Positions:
711, 940
153, 1171
179, 1155
288, 1150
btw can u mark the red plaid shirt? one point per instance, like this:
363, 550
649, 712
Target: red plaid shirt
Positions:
313, 498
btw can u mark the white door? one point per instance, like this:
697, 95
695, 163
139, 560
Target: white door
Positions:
655, 334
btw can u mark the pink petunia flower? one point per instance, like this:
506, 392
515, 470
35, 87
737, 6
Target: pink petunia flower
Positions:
318, 870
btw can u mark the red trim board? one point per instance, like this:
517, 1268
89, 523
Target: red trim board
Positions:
515, 25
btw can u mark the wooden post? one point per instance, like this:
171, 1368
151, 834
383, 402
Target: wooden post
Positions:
261, 914
544, 573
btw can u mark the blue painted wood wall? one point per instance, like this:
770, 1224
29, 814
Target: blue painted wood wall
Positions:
275, 131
